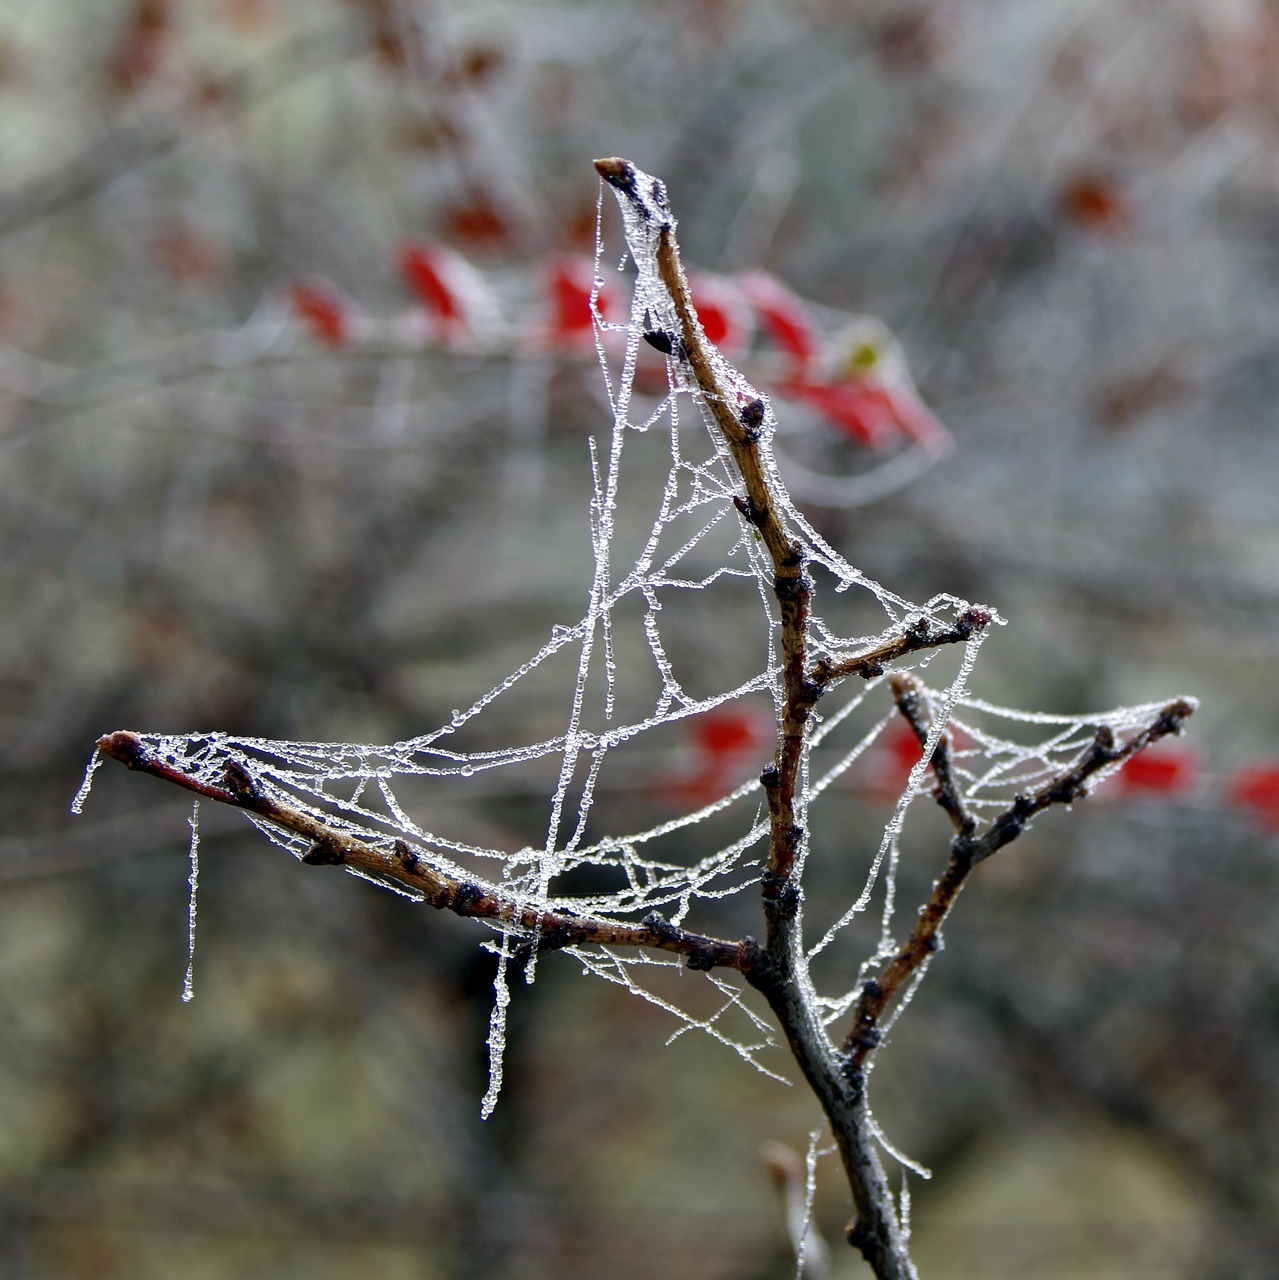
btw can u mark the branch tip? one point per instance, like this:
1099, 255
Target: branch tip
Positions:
123, 745
616, 171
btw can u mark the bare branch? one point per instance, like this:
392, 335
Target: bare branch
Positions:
399, 863
908, 693
921, 635
781, 970
968, 849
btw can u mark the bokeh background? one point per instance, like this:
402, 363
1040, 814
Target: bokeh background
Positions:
214, 518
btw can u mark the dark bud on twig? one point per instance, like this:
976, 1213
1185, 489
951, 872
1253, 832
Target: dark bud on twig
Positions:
659, 340
863, 1239
327, 852
125, 747
975, 618
758, 516
240, 783
465, 896
866, 1038
659, 926
811, 691
617, 173
646, 193
787, 588
408, 857
550, 940
854, 1075
963, 850
752, 419
780, 891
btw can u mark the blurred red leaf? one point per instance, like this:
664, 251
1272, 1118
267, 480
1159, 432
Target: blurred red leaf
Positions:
569, 282
1162, 770
724, 742
1094, 202
869, 411
1256, 790
722, 310
425, 269
324, 311
783, 315
477, 223
903, 749
728, 732
895, 755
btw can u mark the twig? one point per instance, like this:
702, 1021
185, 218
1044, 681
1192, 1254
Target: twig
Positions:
967, 849
920, 635
399, 863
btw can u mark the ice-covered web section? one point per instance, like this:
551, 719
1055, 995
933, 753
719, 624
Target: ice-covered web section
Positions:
627, 677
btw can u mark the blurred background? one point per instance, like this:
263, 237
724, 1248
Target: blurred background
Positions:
244, 486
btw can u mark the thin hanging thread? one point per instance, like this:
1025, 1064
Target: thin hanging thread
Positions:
188, 983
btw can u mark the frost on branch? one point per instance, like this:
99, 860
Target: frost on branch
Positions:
638, 662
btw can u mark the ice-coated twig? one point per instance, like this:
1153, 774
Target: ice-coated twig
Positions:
399, 863
970, 847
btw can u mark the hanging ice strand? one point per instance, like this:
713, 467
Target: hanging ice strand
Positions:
188, 982
77, 805
497, 1029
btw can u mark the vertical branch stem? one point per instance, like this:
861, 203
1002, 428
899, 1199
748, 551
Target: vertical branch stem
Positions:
780, 968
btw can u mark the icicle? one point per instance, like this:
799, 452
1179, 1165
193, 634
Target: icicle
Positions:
810, 1191
497, 1032
188, 983
77, 805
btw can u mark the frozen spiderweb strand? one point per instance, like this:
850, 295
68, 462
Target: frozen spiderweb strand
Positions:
497, 1032
810, 1253
188, 982
95, 760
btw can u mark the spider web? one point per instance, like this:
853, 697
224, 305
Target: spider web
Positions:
630, 673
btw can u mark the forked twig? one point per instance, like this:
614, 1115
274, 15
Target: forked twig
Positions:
967, 849
778, 967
